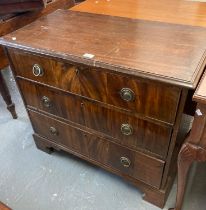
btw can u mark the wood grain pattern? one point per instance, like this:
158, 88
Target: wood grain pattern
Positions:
147, 136
169, 11
164, 98
142, 167
98, 84
69, 77
176, 53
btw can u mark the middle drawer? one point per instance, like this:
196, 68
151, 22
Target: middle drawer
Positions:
122, 128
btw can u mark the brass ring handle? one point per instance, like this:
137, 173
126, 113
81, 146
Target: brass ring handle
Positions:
126, 129
53, 131
46, 102
127, 94
125, 162
37, 70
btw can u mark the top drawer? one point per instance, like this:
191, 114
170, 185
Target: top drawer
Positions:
148, 98
69, 77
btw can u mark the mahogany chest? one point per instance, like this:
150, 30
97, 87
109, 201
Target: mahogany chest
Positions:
105, 90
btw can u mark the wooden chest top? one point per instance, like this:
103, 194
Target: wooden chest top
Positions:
165, 52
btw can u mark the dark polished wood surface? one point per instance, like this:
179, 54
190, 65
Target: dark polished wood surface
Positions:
142, 167
176, 55
98, 117
98, 84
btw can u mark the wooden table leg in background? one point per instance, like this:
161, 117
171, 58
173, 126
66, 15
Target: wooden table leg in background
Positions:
188, 154
7, 97
194, 148
185, 159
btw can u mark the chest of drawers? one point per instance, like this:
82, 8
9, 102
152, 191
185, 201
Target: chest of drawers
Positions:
115, 116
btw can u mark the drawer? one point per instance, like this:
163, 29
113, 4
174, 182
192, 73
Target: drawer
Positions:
125, 129
68, 77
125, 161
147, 98
152, 99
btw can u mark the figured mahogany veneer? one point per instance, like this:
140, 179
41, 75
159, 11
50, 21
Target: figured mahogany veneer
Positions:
108, 121
99, 149
121, 108
99, 85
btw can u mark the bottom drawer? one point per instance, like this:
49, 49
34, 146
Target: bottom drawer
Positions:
127, 162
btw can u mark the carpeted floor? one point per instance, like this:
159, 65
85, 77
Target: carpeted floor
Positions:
33, 180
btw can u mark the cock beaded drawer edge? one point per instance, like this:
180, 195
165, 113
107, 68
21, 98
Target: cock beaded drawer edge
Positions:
122, 107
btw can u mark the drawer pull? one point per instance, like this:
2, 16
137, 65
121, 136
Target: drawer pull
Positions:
127, 94
46, 102
37, 70
125, 162
53, 131
126, 129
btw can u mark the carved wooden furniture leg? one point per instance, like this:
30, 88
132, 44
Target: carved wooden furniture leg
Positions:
194, 148
185, 160
7, 97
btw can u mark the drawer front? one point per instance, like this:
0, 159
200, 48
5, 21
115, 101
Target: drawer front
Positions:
127, 162
150, 99
124, 129
68, 77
